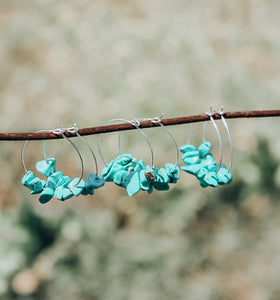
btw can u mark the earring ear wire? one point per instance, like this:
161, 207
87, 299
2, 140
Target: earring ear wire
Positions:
23, 149
157, 120
221, 113
211, 114
61, 131
75, 130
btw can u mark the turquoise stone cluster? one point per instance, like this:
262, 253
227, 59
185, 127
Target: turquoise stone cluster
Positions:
59, 186
134, 175
129, 173
200, 162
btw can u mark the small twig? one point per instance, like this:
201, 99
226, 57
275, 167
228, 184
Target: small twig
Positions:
143, 124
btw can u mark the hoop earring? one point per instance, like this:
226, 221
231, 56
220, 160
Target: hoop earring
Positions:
200, 162
56, 185
66, 187
35, 184
224, 175
125, 170
152, 177
221, 113
171, 172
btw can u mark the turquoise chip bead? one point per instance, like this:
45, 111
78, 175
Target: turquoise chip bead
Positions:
133, 186
203, 183
190, 157
210, 179
46, 167
223, 175
55, 177
66, 194
87, 191
120, 178
162, 176
46, 195
187, 148
75, 188
128, 177
140, 166
106, 169
37, 185
63, 181
49, 190
110, 174
201, 174
204, 149
173, 171
124, 159
209, 162
58, 193
27, 178
161, 186
62, 192
192, 169
95, 181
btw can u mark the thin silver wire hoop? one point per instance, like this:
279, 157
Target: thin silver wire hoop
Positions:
136, 124
157, 120
77, 150
76, 131
210, 114
23, 149
221, 113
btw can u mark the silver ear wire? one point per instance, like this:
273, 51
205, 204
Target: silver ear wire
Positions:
210, 114
76, 131
61, 132
221, 113
136, 123
22, 157
23, 148
157, 120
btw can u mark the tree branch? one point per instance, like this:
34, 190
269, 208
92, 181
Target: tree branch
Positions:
144, 124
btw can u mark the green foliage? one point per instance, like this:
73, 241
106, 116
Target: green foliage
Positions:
267, 165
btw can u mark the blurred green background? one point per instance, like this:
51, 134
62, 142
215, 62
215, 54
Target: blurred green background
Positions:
92, 61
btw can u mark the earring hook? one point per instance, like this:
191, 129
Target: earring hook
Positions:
76, 131
61, 131
157, 120
23, 149
221, 113
210, 114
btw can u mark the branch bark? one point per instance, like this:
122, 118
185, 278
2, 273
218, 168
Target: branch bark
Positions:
145, 124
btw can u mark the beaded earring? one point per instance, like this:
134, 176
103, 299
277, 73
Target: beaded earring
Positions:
134, 175
201, 163
124, 169
56, 185
171, 172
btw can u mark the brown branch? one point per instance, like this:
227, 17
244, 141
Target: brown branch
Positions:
144, 124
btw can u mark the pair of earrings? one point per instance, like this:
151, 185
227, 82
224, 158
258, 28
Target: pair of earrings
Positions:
133, 174
201, 163
56, 185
